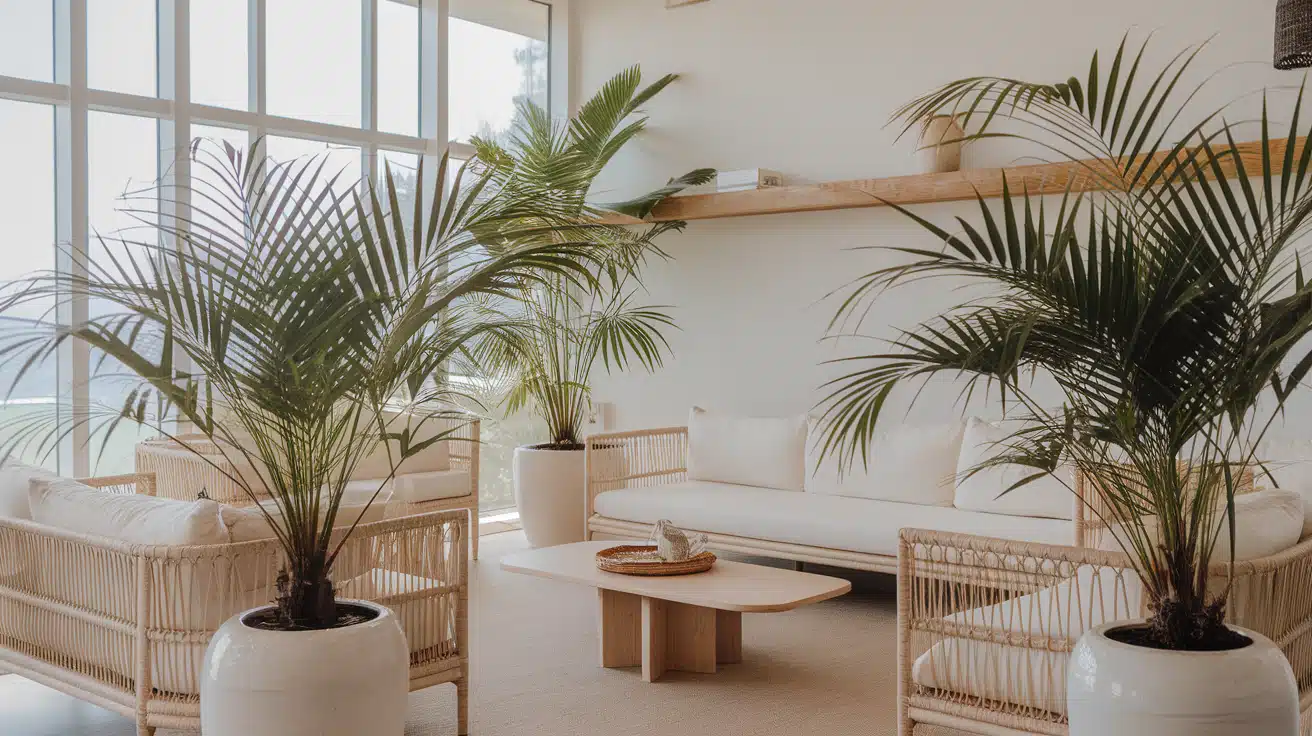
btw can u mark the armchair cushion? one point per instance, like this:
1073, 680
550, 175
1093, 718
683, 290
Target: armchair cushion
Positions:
1267, 522
767, 452
431, 486
15, 479
67, 504
1033, 676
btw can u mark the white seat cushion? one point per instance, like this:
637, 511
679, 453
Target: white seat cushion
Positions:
1032, 677
431, 486
67, 504
769, 452
834, 522
905, 464
987, 490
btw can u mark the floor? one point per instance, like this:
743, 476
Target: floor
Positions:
824, 669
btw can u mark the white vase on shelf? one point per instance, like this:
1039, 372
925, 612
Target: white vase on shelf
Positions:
940, 144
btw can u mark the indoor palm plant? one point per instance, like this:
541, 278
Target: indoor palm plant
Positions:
554, 334
288, 313
1166, 307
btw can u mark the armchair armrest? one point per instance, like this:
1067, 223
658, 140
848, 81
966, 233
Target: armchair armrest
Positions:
127, 484
641, 457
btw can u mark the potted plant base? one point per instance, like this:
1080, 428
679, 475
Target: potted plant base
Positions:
345, 681
549, 488
1116, 686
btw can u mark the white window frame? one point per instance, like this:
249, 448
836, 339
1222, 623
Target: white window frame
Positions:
72, 100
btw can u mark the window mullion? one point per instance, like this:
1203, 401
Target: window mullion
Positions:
173, 82
256, 80
369, 83
71, 228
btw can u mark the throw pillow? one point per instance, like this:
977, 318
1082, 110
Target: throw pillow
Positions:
986, 491
67, 504
1267, 522
905, 464
769, 452
14, 480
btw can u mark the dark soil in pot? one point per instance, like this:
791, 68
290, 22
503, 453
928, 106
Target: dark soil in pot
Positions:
562, 446
348, 614
1223, 640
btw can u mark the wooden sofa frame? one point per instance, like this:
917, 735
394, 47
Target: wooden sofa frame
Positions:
180, 474
126, 605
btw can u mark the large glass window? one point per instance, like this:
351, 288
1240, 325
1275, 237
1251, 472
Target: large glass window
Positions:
27, 208
398, 68
219, 55
27, 39
353, 80
121, 46
499, 49
314, 60
123, 167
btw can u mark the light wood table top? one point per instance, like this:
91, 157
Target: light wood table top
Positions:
728, 586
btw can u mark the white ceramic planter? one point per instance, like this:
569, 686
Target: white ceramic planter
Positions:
1121, 689
341, 682
549, 489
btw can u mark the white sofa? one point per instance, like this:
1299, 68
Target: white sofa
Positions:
756, 485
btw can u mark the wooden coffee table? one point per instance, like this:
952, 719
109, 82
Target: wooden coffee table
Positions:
689, 623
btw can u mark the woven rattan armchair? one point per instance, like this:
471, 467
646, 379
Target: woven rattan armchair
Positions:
985, 626
182, 475
125, 626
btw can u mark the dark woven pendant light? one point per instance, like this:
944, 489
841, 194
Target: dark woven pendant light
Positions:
1294, 34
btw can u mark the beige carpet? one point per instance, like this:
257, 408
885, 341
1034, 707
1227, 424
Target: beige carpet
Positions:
824, 669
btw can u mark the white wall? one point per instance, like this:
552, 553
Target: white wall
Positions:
806, 87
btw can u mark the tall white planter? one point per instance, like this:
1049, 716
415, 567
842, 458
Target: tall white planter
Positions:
340, 682
549, 487
1121, 689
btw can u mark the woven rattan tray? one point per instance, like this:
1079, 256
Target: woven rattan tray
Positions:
632, 559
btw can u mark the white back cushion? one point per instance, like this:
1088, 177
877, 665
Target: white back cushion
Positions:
67, 504
905, 464
1292, 476
1266, 522
1046, 497
15, 478
769, 452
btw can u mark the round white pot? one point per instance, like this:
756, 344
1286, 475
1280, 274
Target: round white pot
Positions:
1127, 690
341, 682
549, 487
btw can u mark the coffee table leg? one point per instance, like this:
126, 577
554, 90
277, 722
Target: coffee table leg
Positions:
619, 628
655, 638
663, 635
691, 638
728, 637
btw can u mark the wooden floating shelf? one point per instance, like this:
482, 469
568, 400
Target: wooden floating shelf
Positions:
917, 189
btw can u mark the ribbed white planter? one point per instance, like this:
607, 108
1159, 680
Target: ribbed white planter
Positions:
549, 489
341, 682
1121, 689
